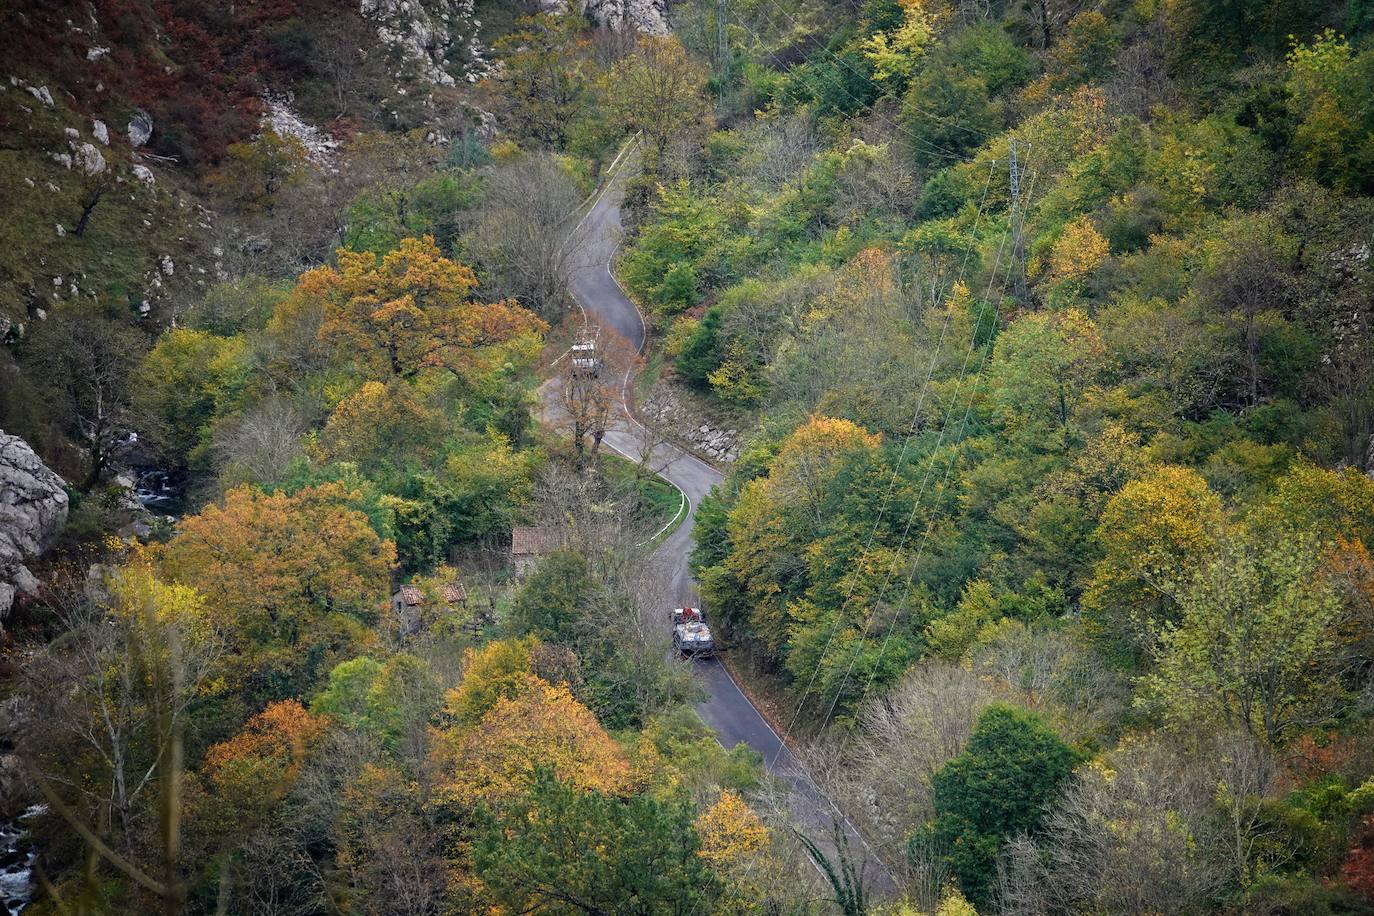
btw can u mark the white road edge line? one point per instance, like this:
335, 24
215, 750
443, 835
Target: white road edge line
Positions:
806, 771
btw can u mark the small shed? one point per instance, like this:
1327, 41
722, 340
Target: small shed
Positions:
530, 544
408, 604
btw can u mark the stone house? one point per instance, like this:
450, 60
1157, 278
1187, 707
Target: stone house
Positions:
529, 545
408, 604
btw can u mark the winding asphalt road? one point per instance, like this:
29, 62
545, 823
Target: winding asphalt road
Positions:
727, 710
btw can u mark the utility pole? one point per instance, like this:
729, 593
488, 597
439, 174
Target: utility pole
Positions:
1015, 183
722, 49
1017, 219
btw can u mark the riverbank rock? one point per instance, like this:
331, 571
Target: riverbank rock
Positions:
33, 509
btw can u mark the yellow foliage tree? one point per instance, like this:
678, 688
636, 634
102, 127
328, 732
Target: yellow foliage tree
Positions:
1154, 532
730, 832
812, 455
659, 89
894, 54
734, 843
543, 725
501, 669
1078, 251
770, 523
379, 423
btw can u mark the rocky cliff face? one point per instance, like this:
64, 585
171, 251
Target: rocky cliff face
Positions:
647, 16
33, 509
436, 37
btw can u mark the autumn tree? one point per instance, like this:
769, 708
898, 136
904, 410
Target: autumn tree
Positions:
659, 89
495, 758
411, 310
389, 847
1078, 251
382, 427
1332, 139
779, 515
248, 776
498, 670
893, 53
1331, 506
735, 844
1157, 528
300, 577
255, 171
1255, 647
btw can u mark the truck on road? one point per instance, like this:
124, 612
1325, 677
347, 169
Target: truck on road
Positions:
691, 636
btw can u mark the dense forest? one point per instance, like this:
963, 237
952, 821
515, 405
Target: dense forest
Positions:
1044, 328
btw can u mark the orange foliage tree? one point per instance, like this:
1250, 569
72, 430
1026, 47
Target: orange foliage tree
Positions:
298, 577
1358, 867
412, 309
254, 770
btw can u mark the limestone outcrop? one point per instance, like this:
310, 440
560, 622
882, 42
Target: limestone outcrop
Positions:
33, 509
649, 17
436, 37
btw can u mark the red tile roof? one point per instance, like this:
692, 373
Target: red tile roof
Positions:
452, 593
526, 542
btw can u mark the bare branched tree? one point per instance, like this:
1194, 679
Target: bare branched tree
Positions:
260, 444
882, 777
591, 396
789, 143
1140, 837
521, 236
116, 690
1047, 18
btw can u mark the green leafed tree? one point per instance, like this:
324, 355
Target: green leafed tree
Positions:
1255, 647
557, 849
1000, 786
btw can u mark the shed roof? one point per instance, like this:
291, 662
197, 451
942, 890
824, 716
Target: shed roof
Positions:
452, 593
531, 541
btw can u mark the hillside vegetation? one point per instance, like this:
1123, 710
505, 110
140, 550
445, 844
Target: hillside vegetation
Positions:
1046, 323
1098, 449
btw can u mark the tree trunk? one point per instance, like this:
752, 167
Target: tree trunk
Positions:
87, 208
